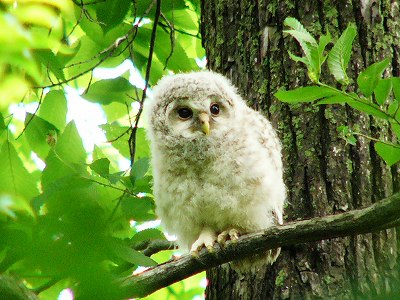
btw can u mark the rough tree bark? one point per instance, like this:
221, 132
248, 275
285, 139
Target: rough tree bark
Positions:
244, 40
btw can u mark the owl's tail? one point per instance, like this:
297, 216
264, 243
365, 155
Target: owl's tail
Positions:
255, 262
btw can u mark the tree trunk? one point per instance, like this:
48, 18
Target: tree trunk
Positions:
244, 40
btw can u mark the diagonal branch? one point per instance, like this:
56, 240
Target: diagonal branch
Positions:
381, 215
12, 288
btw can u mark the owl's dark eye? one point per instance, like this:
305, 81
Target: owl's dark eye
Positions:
185, 113
214, 109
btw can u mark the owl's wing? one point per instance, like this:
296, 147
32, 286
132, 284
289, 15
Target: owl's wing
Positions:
270, 142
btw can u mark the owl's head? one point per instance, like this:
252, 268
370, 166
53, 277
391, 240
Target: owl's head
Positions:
193, 105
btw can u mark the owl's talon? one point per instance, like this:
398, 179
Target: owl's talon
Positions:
210, 249
232, 235
222, 238
194, 254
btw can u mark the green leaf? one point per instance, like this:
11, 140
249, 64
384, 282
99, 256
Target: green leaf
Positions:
146, 235
396, 129
84, 59
140, 168
369, 78
40, 134
55, 63
396, 87
298, 31
305, 94
383, 90
68, 157
166, 5
368, 108
178, 60
10, 205
339, 56
101, 166
112, 12
128, 254
389, 153
346, 134
2, 124
142, 145
336, 99
138, 208
15, 180
119, 135
90, 27
298, 58
324, 40
54, 108
110, 90
393, 108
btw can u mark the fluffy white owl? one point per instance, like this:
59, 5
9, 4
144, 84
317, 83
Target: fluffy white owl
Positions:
216, 162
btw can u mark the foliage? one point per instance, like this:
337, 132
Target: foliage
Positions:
375, 96
74, 222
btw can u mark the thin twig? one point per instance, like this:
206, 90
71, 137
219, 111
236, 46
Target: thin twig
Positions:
33, 115
171, 37
46, 286
132, 138
376, 140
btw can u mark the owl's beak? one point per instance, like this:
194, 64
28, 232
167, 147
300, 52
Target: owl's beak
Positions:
205, 123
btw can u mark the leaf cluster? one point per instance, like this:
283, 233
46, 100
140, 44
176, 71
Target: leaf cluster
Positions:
70, 216
375, 95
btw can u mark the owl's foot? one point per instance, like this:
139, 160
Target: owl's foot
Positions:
232, 235
207, 238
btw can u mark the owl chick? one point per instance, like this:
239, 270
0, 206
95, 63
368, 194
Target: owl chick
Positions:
216, 162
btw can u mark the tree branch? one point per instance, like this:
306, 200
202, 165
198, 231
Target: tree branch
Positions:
381, 215
11, 288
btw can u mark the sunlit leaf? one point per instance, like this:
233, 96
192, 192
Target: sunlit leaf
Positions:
15, 180
339, 56
383, 90
140, 168
166, 5
110, 90
396, 87
298, 31
389, 153
336, 99
368, 108
66, 158
142, 145
347, 135
2, 124
146, 235
177, 60
369, 78
128, 254
54, 109
138, 208
396, 129
305, 94
112, 12
118, 136
101, 166
40, 134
